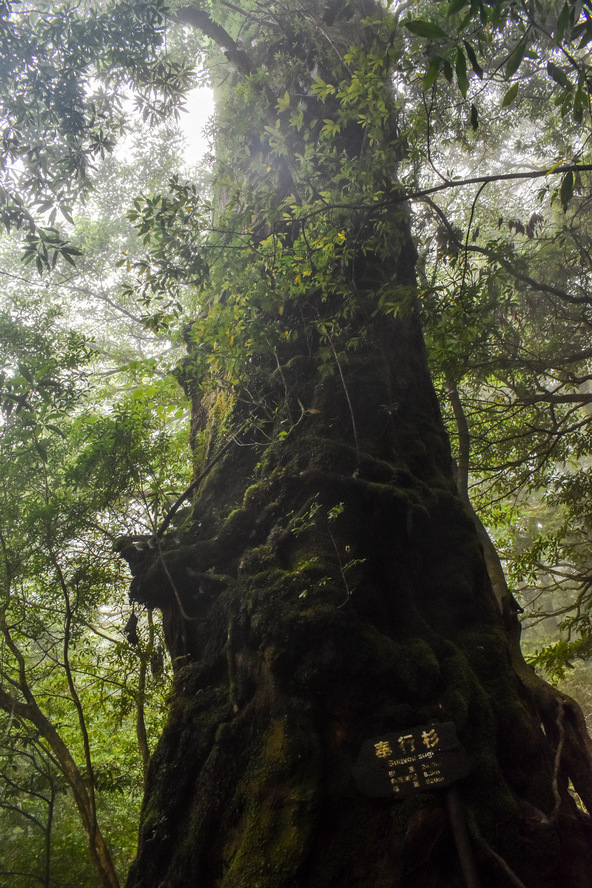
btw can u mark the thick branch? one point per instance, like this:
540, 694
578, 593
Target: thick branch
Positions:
197, 18
499, 177
402, 196
550, 398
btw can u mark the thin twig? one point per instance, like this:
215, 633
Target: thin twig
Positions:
466, 256
345, 389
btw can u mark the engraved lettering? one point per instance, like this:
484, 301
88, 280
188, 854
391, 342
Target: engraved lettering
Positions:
407, 743
383, 749
430, 738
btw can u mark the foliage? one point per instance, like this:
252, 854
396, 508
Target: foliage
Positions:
64, 71
63, 652
76, 409
507, 313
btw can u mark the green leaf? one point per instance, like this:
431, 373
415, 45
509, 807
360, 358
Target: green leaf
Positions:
562, 22
558, 75
580, 103
510, 95
322, 89
57, 430
587, 34
432, 73
67, 214
566, 190
423, 28
473, 60
515, 59
456, 6
496, 15
474, 117
565, 103
461, 72
283, 102
68, 258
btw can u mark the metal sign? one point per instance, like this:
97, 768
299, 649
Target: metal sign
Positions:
419, 759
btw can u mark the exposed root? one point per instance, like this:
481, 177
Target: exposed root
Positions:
557, 763
503, 865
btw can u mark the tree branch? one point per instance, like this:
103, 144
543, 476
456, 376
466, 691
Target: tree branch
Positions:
197, 18
499, 177
402, 196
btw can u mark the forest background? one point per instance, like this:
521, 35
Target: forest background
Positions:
99, 290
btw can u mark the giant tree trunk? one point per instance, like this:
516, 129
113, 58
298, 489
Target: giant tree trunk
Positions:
330, 588
303, 635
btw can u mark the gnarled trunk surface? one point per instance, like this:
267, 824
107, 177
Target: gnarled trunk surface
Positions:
329, 596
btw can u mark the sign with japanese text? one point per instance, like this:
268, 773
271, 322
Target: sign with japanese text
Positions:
414, 760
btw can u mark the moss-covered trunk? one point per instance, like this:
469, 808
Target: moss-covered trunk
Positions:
331, 596
329, 586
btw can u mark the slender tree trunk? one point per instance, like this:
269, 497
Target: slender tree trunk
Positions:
99, 851
141, 733
47, 838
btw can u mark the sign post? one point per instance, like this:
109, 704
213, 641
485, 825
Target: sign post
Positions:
420, 759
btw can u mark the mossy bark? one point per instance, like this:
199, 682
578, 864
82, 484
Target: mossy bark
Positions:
309, 630
330, 587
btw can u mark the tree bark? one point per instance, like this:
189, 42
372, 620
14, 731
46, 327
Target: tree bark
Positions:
285, 672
